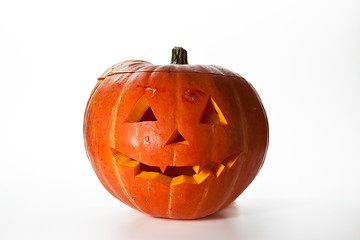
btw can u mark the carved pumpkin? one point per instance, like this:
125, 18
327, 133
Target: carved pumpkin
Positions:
176, 141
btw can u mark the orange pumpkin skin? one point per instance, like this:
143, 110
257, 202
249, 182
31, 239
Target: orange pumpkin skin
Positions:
178, 96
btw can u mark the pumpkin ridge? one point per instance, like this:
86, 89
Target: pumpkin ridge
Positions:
113, 143
239, 105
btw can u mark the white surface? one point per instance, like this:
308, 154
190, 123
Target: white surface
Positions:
303, 57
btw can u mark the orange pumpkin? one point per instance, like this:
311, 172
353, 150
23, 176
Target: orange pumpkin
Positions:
176, 141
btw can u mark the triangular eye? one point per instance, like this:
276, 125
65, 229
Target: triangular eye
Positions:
212, 114
141, 112
176, 137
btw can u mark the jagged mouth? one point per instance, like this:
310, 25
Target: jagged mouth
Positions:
175, 175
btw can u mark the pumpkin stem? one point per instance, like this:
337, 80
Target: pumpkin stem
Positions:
179, 56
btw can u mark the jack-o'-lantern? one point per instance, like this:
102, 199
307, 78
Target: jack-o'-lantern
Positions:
176, 141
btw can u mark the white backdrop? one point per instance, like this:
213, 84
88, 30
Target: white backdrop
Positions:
303, 57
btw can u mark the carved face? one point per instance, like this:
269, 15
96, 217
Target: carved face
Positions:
175, 141
164, 154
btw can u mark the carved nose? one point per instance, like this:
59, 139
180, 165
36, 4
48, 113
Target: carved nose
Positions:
177, 138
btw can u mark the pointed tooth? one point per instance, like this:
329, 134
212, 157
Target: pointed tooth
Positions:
162, 168
215, 167
201, 167
230, 161
218, 169
202, 176
196, 168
